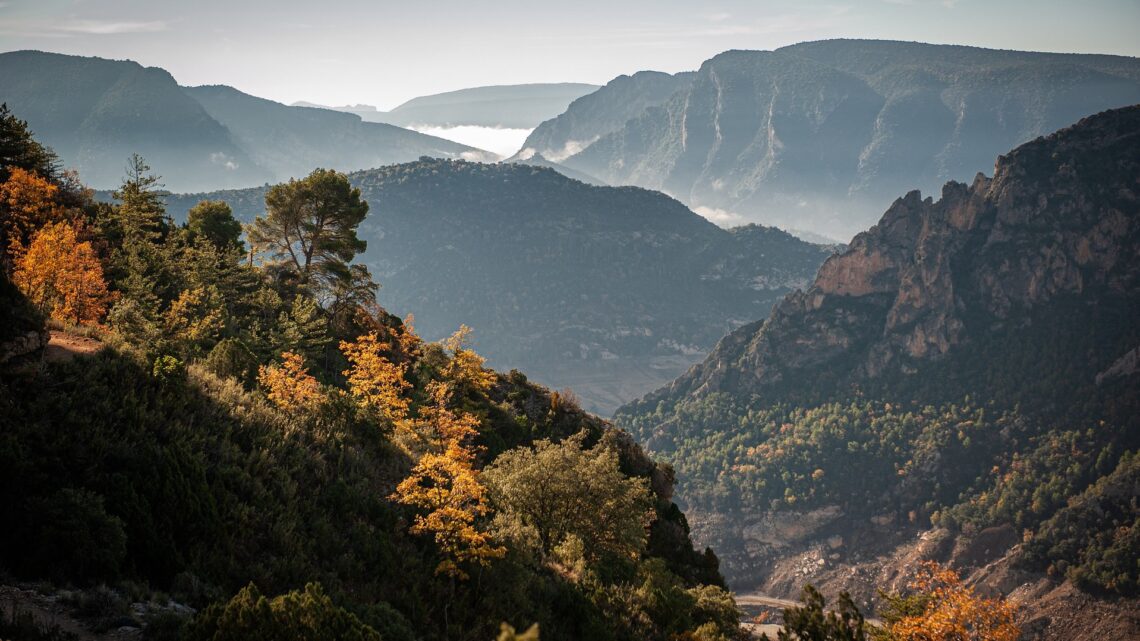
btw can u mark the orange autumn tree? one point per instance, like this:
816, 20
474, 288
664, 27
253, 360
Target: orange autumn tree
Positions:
289, 385
377, 383
27, 203
465, 369
941, 608
445, 484
61, 275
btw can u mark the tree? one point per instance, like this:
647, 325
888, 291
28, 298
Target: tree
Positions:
445, 483
18, 149
27, 202
310, 226
555, 491
465, 369
141, 214
941, 608
375, 381
302, 329
213, 221
196, 318
812, 622
62, 275
289, 385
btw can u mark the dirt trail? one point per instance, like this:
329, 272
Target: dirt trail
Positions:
64, 347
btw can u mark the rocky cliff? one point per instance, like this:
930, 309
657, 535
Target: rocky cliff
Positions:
1058, 217
820, 136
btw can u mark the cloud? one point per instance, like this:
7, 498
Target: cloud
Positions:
501, 141
110, 27
718, 17
721, 217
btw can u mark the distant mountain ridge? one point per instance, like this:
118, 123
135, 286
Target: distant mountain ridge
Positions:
821, 135
96, 112
622, 286
508, 106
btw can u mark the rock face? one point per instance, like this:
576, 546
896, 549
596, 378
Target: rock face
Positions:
606, 110
23, 344
820, 136
1060, 216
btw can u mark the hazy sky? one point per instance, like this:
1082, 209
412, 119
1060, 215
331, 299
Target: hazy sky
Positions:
383, 52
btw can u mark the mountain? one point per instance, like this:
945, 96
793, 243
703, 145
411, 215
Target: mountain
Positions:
506, 106
953, 386
292, 141
201, 137
821, 135
611, 291
94, 113
601, 112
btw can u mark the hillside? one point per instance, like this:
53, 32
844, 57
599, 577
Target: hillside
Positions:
821, 136
610, 291
210, 448
967, 365
201, 137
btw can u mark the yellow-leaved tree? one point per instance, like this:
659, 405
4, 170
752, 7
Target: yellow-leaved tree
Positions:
941, 608
377, 383
62, 275
289, 385
465, 369
446, 486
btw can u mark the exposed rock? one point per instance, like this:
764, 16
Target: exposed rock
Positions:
23, 345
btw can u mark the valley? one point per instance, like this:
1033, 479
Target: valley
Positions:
629, 322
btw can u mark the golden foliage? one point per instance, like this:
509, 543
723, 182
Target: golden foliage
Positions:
953, 611
446, 484
465, 369
62, 275
196, 316
289, 385
376, 382
27, 203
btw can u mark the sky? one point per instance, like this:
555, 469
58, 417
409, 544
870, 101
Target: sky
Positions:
383, 52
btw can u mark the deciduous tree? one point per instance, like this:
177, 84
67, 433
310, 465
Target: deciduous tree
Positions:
62, 275
289, 385
377, 383
941, 608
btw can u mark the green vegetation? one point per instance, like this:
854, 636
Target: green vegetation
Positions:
285, 456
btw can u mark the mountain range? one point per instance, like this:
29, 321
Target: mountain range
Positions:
958, 385
95, 113
609, 291
506, 106
821, 135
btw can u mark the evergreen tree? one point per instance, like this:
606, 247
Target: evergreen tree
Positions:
310, 227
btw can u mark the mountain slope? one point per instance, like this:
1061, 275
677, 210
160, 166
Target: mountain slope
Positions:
819, 136
967, 365
507, 106
598, 113
612, 291
96, 112
292, 141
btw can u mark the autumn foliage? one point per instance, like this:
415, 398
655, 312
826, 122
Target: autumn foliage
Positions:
446, 485
62, 275
27, 203
376, 382
943, 609
289, 385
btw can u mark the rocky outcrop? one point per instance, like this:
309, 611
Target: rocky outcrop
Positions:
23, 345
1060, 216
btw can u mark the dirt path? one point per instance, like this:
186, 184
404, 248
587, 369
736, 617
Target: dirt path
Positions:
64, 347
766, 601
